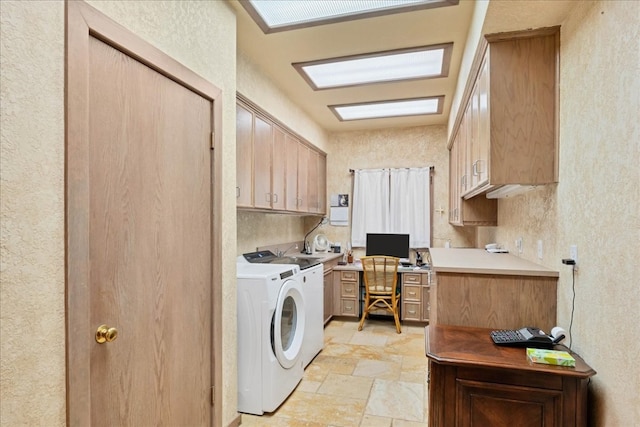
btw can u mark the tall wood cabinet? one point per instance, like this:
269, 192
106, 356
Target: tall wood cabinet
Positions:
276, 170
506, 131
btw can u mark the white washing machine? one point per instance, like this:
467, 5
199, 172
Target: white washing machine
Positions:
271, 326
312, 279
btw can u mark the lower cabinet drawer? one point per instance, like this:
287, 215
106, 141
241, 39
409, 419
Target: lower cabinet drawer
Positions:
349, 307
412, 293
349, 289
411, 311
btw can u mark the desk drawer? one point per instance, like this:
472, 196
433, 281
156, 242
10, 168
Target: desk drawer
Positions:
349, 290
415, 278
411, 293
349, 276
411, 311
348, 307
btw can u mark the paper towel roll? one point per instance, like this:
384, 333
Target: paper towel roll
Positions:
557, 331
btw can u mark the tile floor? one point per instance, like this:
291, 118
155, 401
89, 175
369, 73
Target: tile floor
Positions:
371, 378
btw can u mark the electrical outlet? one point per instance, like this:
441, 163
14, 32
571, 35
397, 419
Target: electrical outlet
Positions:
519, 244
573, 253
539, 249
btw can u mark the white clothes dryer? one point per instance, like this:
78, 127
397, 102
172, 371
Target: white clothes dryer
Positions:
271, 324
312, 280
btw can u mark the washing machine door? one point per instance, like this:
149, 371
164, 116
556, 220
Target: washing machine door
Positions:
287, 324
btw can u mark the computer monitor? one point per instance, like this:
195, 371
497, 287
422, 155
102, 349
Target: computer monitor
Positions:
396, 245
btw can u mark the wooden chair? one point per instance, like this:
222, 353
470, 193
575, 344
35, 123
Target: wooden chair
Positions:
380, 282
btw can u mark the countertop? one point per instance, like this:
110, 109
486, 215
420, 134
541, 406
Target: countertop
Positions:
479, 261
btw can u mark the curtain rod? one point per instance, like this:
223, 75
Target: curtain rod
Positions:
430, 167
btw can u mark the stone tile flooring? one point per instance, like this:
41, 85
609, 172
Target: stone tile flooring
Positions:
371, 378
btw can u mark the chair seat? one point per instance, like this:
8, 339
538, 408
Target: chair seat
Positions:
381, 283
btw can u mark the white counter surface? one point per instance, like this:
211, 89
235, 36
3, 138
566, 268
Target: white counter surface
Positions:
480, 261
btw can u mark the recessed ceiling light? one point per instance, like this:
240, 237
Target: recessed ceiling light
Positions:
401, 64
281, 15
393, 108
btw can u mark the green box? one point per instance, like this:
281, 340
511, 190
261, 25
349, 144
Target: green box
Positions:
550, 357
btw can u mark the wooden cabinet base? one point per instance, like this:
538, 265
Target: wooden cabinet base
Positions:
473, 382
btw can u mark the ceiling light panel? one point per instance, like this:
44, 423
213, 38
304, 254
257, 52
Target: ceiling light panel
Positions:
405, 64
382, 109
280, 15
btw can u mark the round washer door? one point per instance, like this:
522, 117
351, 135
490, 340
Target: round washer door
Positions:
287, 324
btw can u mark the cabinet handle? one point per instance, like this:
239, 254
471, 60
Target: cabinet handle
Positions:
275, 198
349, 290
463, 182
237, 192
413, 294
412, 312
475, 168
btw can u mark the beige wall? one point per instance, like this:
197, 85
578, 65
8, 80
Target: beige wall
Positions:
408, 147
596, 203
32, 326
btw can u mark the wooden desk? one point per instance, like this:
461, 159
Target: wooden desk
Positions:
473, 382
414, 285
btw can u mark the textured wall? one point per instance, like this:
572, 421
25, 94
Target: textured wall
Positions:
407, 147
32, 390
196, 34
596, 203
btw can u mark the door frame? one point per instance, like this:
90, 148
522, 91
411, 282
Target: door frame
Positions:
82, 22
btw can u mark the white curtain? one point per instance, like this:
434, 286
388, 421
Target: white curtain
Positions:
370, 204
410, 207
392, 201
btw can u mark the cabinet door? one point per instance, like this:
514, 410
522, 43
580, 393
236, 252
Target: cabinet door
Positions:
498, 405
454, 196
474, 129
328, 295
291, 180
279, 169
262, 147
483, 138
322, 183
313, 181
426, 307
244, 156
303, 166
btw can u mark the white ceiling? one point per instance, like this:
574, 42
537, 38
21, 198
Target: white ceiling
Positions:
274, 53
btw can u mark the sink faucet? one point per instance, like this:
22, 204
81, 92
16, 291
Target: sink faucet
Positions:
280, 253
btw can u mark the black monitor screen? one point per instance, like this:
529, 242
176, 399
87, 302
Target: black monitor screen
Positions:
396, 245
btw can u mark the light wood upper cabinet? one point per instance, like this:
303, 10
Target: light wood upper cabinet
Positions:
276, 170
244, 156
279, 166
291, 177
477, 210
303, 170
322, 183
262, 148
316, 182
510, 113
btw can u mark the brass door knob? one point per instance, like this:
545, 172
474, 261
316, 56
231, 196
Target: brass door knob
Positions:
106, 334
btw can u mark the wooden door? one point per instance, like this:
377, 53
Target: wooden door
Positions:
141, 232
